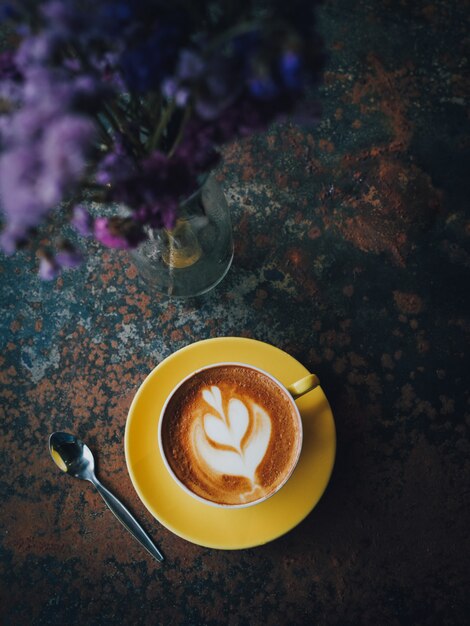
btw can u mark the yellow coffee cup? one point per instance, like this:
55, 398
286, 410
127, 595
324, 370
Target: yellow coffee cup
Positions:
211, 441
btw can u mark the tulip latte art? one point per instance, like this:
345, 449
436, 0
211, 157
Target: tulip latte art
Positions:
231, 435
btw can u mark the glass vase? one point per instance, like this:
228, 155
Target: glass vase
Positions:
195, 256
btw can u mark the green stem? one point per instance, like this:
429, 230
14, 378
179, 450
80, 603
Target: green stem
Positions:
179, 136
240, 29
164, 119
104, 131
118, 117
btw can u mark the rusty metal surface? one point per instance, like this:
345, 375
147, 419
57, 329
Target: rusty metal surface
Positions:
351, 254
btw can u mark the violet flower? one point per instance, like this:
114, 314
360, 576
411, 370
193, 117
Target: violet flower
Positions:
68, 256
90, 96
22, 208
117, 232
63, 151
82, 221
49, 269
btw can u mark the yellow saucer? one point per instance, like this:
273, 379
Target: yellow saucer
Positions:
204, 524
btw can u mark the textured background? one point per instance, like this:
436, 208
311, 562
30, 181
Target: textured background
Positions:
351, 254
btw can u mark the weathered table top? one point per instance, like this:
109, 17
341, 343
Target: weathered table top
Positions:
352, 255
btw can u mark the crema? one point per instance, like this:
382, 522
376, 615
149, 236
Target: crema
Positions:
231, 434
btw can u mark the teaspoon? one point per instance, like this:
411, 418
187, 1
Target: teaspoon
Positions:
74, 457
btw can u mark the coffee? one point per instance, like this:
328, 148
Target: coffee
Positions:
231, 434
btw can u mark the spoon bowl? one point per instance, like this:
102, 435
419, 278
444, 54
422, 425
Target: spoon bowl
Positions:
74, 457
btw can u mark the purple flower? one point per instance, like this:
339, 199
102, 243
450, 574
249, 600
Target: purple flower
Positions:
62, 16
35, 174
213, 84
64, 151
246, 116
37, 50
25, 126
172, 90
48, 267
154, 191
107, 66
11, 237
10, 93
22, 208
10, 83
146, 63
191, 67
290, 66
82, 221
277, 76
263, 87
197, 147
112, 68
68, 256
115, 167
8, 68
118, 232
86, 93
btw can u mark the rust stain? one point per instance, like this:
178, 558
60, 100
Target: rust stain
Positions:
326, 145
389, 200
409, 303
271, 139
392, 90
176, 335
282, 179
298, 263
131, 272
15, 326
7, 376
314, 232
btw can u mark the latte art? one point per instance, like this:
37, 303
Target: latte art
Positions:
235, 441
230, 434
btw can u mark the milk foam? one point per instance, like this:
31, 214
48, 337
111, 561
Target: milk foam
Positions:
233, 435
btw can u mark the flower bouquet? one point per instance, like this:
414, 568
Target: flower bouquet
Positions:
128, 103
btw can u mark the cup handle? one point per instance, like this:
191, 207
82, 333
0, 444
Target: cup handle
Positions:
303, 386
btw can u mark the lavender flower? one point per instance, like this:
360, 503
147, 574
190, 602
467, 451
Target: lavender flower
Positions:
90, 96
35, 174
64, 150
12, 237
8, 67
10, 90
51, 265
213, 84
68, 256
290, 68
19, 169
82, 221
146, 64
155, 189
115, 167
37, 50
117, 232
48, 267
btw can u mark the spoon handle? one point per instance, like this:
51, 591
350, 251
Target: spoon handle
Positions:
128, 520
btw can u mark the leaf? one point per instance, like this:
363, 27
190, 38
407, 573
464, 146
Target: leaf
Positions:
238, 420
221, 461
216, 430
229, 431
213, 397
258, 442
